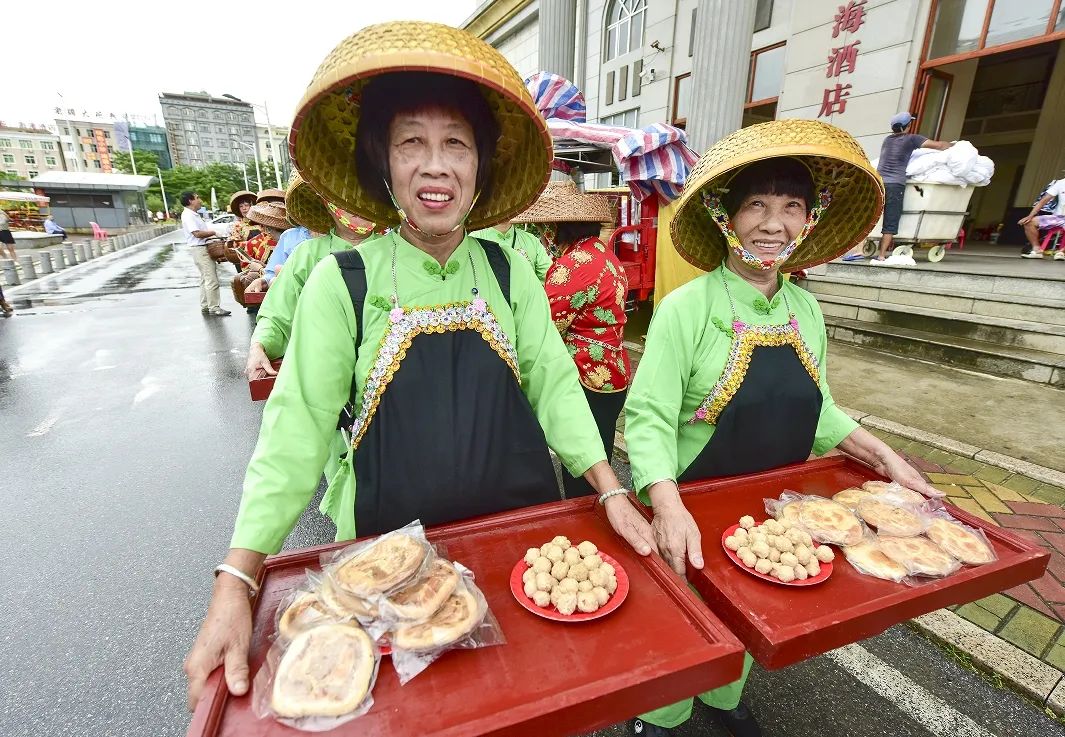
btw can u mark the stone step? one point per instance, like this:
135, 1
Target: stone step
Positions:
1016, 307
1050, 285
994, 330
1001, 360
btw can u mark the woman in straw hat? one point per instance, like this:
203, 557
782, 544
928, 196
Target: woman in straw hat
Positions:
586, 287
732, 380
444, 343
273, 323
521, 241
240, 204
271, 220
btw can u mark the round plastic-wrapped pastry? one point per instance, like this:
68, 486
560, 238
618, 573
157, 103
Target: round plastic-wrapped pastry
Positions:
813, 567
593, 561
601, 595
803, 555
566, 604
788, 559
733, 543
760, 549
611, 585
825, 554
786, 574
530, 589
529, 575
587, 548
584, 585
571, 556
774, 555
561, 541
542, 565
747, 521
544, 581
531, 555
542, 598
587, 601
578, 572
568, 585
800, 573
554, 553
559, 570
763, 565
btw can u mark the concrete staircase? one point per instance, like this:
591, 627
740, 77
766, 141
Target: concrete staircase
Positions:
1009, 325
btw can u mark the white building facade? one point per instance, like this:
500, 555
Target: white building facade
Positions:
28, 152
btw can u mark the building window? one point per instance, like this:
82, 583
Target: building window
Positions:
763, 15
96, 165
626, 119
92, 147
12, 173
187, 111
9, 159
207, 142
232, 116
965, 26
50, 160
32, 173
233, 130
219, 116
204, 128
766, 74
31, 159
26, 144
682, 95
624, 29
5, 143
219, 129
107, 134
47, 145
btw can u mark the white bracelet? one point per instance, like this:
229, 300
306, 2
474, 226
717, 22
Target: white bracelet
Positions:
253, 587
614, 492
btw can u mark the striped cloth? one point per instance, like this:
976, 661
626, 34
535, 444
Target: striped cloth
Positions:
655, 158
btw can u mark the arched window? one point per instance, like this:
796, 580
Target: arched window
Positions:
624, 27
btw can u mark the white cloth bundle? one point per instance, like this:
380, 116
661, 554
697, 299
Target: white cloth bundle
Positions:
960, 164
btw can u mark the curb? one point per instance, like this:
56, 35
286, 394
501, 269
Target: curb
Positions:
42, 280
1023, 672
990, 457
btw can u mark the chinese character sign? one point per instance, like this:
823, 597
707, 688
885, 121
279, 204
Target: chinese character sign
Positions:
849, 18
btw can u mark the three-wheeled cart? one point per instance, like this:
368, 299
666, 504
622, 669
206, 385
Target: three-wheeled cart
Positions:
932, 218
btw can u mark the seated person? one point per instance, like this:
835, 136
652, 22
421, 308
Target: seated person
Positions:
52, 227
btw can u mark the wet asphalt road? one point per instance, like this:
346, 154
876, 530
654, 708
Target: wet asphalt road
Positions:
127, 424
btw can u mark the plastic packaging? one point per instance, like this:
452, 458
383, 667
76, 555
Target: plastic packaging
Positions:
919, 555
895, 492
892, 517
321, 679
825, 520
303, 608
967, 544
868, 559
463, 622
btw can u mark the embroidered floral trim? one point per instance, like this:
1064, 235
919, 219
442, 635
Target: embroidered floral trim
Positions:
746, 339
407, 323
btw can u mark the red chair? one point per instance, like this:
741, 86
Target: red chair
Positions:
1059, 232
98, 233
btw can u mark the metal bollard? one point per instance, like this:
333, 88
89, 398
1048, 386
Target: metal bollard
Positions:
46, 262
80, 249
29, 271
68, 253
10, 274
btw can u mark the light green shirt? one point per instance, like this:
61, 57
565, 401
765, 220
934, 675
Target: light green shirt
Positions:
684, 357
525, 243
299, 419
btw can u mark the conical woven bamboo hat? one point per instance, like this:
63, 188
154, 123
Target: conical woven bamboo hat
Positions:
322, 139
305, 207
271, 214
834, 158
270, 195
236, 198
562, 202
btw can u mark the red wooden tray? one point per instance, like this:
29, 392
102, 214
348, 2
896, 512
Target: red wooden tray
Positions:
260, 388
781, 625
254, 298
550, 678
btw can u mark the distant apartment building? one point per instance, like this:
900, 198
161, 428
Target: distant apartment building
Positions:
203, 129
26, 152
88, 145
152, 138
268, 143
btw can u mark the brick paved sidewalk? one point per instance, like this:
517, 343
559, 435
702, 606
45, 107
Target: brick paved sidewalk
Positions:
1030, 616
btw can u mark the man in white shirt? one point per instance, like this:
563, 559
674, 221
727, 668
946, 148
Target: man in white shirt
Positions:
1034, 222
197, 231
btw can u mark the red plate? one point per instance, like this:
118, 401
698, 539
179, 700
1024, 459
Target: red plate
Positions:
826, 568
517, 587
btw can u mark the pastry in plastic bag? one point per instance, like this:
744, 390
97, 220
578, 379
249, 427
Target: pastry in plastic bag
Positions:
418, 601
866, 557
325, 671
850, 497
896, 491
381, 566
341, 604
305, 611
455, 619
830, 522
964, 543
919, 555
890, 519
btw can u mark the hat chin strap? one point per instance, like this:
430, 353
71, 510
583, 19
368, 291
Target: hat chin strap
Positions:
720, 216
419, 231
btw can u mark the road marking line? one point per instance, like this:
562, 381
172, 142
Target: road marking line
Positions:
924, 707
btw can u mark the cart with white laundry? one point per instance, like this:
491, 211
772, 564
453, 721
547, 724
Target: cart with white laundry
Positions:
932, 218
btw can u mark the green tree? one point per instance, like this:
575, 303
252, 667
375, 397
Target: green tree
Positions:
147, 161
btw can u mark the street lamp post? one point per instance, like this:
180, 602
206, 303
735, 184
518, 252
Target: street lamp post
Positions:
244, 168
255, 153
162, 189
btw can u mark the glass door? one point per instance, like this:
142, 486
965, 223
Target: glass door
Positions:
934, 92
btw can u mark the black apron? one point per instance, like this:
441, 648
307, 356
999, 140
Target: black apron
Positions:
771, 421
452, 437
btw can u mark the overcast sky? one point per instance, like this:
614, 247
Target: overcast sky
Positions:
116, 57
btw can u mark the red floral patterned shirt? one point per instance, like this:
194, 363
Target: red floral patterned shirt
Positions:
259, 248
586, 287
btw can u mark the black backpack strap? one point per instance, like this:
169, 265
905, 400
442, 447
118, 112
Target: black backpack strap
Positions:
353, 269
500, 265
